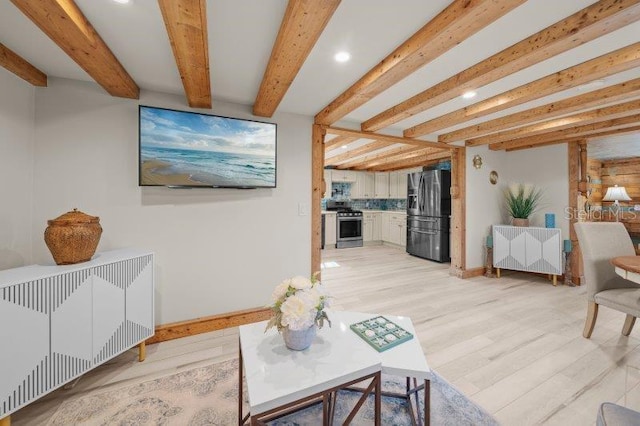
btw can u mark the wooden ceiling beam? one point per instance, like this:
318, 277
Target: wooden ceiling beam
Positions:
379, 156
607, 95
303, 22
337, 159
376, 156
64, 23
584, 130
389, 138
620, 60
598, 19
460, 20
337, 142
423, 160
20, 67
186, 23
613, 132
405, 156
587, 117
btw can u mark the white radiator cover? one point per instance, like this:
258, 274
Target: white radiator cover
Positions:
58, 322
527, 249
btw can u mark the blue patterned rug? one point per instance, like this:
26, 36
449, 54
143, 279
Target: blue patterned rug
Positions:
208, 396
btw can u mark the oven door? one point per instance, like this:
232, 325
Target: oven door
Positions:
349, 228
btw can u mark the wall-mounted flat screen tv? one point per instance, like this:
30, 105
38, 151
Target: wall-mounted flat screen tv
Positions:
188, 149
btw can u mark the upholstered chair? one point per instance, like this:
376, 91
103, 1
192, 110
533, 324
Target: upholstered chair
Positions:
599, 243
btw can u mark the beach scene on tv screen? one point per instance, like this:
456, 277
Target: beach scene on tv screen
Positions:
189, 149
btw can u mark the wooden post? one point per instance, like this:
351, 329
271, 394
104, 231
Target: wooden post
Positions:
458, 212
575, 154
317, 190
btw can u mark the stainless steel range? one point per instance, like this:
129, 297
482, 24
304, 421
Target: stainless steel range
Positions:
349, 224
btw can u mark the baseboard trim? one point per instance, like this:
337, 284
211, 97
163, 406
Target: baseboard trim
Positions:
195, 326
467, 273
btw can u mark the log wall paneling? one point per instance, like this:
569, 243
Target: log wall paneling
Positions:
186, 23
622, 173
594, 188
585, 25
612, 63
317, 190
66, 25
20, 67
460, 20
303, 22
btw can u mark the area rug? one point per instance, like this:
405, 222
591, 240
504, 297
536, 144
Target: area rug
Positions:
208, 396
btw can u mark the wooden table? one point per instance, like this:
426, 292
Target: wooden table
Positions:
628, 267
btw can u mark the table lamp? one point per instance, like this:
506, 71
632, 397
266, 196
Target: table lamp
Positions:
616, 194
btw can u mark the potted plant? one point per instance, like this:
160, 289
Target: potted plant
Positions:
521, 201
298, 310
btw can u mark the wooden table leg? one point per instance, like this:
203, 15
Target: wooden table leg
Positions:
497, 272
142, 351
6, 421
555, 280
378, 398
240, 385
427, 402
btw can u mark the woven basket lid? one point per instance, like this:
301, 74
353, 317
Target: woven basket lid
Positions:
73, 217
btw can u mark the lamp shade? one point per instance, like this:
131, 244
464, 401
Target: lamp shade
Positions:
616, 193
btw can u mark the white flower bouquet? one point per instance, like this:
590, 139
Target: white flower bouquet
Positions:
299, 303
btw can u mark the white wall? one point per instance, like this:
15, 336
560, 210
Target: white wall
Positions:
546, 167
16, 169
483, 201
217, 250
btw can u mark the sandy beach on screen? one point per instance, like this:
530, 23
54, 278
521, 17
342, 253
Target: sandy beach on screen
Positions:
153, 173
150, 176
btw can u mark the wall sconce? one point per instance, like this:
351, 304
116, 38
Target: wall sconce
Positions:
477, 161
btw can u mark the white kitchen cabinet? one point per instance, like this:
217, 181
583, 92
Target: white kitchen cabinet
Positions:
384, 226
381, 185
364, 185
402, 184
393, 185
343, 176
376, 234
62, 321
327, 180
367, 228
330, 230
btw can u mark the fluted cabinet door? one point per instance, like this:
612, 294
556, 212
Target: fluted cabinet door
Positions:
139, 295
24, 343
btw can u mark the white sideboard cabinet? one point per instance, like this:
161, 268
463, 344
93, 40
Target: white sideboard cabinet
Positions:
58, 322
528, 249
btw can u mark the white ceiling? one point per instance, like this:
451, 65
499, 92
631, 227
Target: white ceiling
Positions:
242, 32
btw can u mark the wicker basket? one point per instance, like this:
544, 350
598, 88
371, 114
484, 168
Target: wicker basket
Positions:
73, 237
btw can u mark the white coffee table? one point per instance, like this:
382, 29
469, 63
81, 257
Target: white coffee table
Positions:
279, 379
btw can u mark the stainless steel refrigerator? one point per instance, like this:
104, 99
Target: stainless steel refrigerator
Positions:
428, 214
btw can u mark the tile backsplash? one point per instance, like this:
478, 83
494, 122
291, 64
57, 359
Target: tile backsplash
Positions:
374, 204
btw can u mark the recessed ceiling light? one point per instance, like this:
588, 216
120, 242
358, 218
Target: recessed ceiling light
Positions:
344, 147
470, 94
592, 84
342, 56
122, 1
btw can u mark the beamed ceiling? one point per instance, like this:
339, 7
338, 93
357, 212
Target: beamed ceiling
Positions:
545, 71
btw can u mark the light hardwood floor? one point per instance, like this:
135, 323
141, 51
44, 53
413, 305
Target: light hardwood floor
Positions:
514, 345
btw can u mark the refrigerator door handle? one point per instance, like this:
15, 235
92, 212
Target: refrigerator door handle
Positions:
421, 194
423, 232
424, 220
